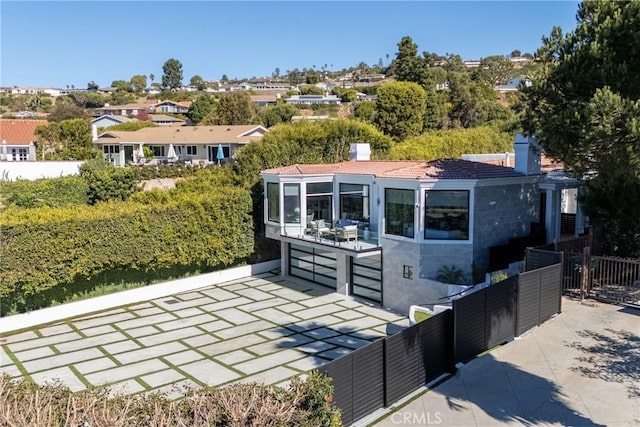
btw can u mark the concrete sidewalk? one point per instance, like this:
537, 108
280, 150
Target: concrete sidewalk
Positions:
581, 368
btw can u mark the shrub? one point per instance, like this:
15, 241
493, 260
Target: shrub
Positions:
49, 192
305, 403
453, 144
106, 182
450, 274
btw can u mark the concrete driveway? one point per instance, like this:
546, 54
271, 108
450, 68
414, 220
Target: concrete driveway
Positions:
262, 328
581, 368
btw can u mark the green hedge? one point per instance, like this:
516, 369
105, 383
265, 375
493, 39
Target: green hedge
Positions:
453, 144
58, 248
52, 192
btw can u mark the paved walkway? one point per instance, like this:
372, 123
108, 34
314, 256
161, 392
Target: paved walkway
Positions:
262, 328
581, 368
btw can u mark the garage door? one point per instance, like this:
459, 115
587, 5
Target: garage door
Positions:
366, 277
315, 265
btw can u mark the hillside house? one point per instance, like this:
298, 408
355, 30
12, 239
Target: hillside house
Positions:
382, 230
191, 144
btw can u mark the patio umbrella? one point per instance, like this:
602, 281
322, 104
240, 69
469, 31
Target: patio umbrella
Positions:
220, 154
171, 153
140, 153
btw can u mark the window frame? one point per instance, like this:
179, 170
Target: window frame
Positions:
407, 229
465, 235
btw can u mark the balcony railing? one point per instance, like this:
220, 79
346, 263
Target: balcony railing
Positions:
355, 239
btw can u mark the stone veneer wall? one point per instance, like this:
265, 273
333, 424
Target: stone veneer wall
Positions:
516, 206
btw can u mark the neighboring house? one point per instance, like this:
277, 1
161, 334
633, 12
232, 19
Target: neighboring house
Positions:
17, 139
181, 107
109, 120
34, 90
312, 99
25, 115
513, 85
364, 97
272, 86
382, 230
195, 144
122, 110
264, 100
153, 90
164, 120
472, 63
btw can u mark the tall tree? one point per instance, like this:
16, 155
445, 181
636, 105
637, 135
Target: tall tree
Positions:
64, 111
584, 105
407, 66
172, 74
122, 85
234, 108
138, 82
152, 77
495, 69
400, 109
198, 82
202, 106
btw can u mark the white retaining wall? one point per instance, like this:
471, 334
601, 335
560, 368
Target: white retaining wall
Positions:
36, 170
132, 296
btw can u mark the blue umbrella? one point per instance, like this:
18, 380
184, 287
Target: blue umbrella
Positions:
220, 154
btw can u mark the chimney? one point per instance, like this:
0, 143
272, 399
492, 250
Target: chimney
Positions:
94, 133
527, 150
360, 152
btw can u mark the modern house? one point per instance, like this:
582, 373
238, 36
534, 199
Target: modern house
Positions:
383, 230
17, 139
191, 144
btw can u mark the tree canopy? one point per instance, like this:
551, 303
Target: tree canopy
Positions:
400, 109
584, 105
325, 141
172, 74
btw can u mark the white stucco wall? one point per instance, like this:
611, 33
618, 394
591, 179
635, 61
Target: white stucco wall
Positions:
36, 170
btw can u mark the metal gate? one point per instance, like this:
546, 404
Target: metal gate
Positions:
316, 265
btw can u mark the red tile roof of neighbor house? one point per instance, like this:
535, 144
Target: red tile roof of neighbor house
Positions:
404, 169
19, 131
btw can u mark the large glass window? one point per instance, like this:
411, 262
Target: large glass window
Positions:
447, 215
398, 211
319, 198
354, 202
292, 203
273, 201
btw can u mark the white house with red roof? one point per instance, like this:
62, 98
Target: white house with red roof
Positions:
384, 230
17, 139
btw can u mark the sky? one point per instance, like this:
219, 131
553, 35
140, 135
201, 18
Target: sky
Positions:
53, 43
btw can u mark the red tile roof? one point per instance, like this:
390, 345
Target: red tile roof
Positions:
19, 131
436, 169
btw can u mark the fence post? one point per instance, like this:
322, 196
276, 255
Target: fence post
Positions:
586, 271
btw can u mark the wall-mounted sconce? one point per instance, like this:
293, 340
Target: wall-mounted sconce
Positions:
492, 203
378, 201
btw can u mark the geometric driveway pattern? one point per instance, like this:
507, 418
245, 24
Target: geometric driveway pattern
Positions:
263, 328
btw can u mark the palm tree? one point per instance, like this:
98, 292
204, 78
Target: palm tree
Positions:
152, 77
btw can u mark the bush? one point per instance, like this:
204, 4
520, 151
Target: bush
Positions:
106, 182
305, 403
48, 253
49, 192
453, 144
